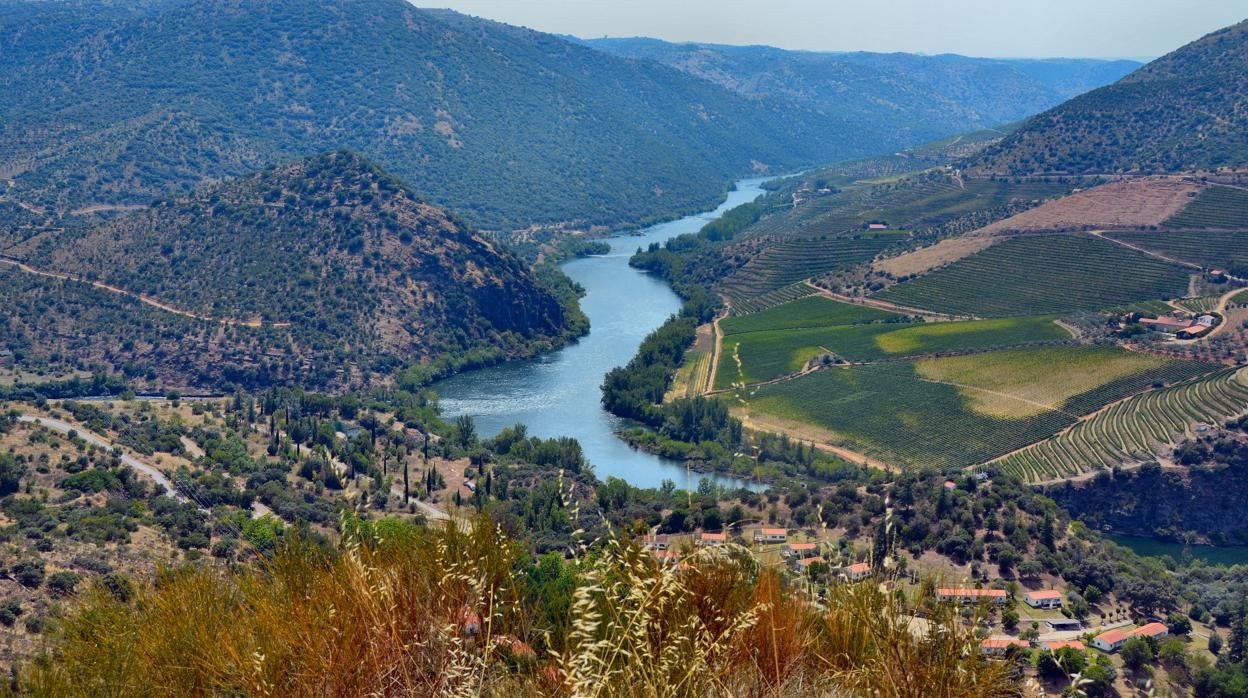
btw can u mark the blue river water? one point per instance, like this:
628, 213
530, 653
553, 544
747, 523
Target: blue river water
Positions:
559, 394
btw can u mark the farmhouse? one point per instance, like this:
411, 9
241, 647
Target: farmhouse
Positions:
857, 572
1166, 323
962, 595
1056, 645
1044, 598
803, 564
877, 226
1194, 331
800, 550
712, 539
999, 646
771, 535
1113, 640
665, 557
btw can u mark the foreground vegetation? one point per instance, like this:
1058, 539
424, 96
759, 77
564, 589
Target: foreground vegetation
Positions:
399, 609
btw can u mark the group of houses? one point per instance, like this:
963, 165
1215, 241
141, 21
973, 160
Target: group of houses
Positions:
1182, 327
1039, 598
800, 556
1000, 646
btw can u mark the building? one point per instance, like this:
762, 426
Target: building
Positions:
803, 564
950, 485
1166, 323
1113, 640
858, 571
665, 557
1153, 630
1056, 645
877, 226
712, 539
971, 595
654, 542
771, 535
1043, 598
800, 550
1000, 646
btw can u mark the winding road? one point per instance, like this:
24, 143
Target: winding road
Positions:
97, 440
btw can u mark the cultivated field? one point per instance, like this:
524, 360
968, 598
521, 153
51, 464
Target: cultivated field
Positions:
742, 305
1228, 250
1039, 274
782, 340
783, 263
1135, 203
1215, 207
1140, 428
888, 411
1130, 204
1020, 383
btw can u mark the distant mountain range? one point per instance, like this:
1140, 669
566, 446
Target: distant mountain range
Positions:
339, 271
1186, 110
118, 103
927, 96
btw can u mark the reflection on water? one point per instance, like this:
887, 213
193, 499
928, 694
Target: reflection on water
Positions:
558, 394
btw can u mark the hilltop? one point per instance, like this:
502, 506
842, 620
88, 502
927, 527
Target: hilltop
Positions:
926, 97
1186, 110
323, 266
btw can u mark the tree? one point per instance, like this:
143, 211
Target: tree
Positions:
1009, 618
1136, 653
1215, 643
1179, 624
11, 473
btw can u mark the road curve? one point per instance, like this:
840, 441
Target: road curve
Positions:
94, 439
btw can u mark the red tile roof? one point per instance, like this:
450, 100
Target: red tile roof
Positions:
859, 568
1059, 644
775, 531
1045, 594
721, 537
1151, 630
802, 547
1113, 637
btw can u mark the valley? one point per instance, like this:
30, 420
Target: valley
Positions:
358, 348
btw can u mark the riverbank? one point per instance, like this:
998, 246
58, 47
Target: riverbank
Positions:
559, 394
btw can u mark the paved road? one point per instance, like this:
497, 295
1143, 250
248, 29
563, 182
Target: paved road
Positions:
148, 470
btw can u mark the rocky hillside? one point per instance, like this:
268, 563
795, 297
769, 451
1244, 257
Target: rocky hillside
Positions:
329, 257
1185, 110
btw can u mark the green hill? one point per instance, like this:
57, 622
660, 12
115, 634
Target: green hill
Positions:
327, 270
926, 96
1185, 110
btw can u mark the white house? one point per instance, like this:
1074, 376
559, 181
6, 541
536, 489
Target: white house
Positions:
1043, 598
771, 535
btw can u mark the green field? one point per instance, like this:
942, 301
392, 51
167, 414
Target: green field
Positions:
1215, 207
887, 411
898, 412
1228, 250
1137, 429
1017, 383
1038, 274
816, 311
782, 340
742, 305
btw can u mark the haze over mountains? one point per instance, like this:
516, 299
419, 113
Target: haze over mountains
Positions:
506, 126
921, 95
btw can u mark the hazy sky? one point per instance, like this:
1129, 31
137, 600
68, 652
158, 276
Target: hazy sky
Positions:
1005, 28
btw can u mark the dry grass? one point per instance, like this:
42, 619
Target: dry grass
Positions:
383, 616
927, 258
1131, 203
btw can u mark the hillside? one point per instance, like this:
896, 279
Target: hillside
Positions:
1185, 110
923, 96
327, 261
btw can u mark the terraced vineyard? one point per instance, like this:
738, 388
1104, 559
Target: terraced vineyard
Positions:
1228, 250
1039, 274
814, 311
1204, 304
743, 305
887, 411
1139, 428
784, 263
1215, 207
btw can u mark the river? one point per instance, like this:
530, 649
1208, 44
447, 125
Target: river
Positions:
559, 394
